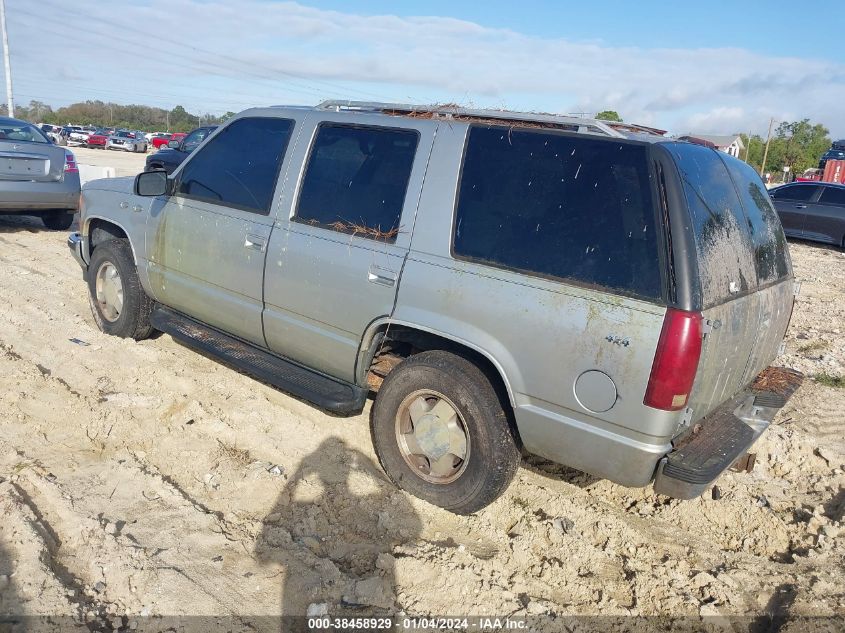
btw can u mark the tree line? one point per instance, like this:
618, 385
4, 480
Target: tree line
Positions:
797, 144
102, 114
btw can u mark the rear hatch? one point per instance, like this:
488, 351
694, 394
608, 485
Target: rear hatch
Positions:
746, 284
28, 161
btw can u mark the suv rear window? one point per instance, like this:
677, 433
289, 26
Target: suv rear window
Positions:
770, 259
555, 205
726, 262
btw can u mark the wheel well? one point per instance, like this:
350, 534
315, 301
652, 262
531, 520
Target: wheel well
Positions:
393, 344
101, 231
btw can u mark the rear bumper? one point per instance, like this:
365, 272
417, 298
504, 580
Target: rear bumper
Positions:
22, 195
75, 243
716, 442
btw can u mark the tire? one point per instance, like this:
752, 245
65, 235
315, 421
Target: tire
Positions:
492, 453
133, 319
57, 220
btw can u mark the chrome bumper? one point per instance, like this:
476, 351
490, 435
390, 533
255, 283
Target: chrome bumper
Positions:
74, 243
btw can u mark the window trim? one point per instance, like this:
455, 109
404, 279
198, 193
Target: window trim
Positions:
660, 241
306, 164
229, 205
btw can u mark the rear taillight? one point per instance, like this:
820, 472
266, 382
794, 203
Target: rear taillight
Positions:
70, 163
675, 361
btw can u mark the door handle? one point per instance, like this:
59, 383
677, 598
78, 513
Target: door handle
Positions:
800, 206
382, 276
255, 243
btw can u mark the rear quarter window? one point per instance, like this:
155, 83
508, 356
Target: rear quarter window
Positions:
724, 250
555, 205
771, 257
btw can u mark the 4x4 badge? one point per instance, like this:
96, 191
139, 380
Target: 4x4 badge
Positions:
617, 340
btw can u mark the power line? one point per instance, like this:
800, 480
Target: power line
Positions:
246, 67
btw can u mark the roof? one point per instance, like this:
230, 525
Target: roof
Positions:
454, 112
720, 140
7, 120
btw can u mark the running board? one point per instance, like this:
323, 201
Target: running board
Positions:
327, 393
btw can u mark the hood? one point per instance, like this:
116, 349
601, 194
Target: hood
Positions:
125, 184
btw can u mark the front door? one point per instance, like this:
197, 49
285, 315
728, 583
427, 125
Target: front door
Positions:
334, 266
791, 203
207, 242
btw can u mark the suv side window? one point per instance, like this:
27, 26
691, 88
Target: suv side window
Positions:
833, 195
770, 251
559, 206
239, 167
801, 193
356, 179
723, 238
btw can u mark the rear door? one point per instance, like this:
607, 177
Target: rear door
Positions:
743, 268
791, 203
207, 242
334, 266
826, 218
27, 154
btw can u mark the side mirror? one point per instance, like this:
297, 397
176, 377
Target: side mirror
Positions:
151, 183
173, 144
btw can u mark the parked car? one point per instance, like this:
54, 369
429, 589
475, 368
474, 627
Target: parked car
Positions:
76, 135
812, 211
98, 139
37, 177
500, 280
160, 140
177, 150
128, 141
55, 133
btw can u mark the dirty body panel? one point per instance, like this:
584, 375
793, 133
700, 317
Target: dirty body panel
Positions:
575, 357
745, 285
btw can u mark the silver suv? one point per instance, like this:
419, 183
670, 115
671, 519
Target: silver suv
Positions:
589, 293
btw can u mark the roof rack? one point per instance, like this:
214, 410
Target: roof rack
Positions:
454, 112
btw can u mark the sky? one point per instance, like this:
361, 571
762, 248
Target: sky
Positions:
708, 67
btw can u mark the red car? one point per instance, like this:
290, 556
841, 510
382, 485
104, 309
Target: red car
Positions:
162, 141
97, 140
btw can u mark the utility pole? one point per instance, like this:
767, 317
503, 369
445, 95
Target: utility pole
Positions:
167, 119
766, 151
9, 101
748, 148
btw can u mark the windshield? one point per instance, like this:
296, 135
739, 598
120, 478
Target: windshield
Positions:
22, 132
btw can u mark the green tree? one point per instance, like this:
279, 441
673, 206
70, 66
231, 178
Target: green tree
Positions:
609, 115
797, 145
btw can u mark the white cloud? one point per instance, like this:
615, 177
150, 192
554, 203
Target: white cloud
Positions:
342, 54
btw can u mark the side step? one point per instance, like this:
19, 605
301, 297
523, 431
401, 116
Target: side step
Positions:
700, 457
325, 392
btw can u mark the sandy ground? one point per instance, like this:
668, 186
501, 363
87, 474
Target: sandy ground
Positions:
142, 478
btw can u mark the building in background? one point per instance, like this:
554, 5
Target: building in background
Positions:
731, 144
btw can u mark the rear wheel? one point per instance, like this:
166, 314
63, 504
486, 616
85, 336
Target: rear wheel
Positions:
118, 302
441, 432
57, 220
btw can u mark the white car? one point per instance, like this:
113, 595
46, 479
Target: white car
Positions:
128, 141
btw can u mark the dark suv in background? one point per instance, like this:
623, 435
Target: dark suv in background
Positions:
177, 151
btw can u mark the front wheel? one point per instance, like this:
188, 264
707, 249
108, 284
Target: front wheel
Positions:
441, 432
57, 220
118, 302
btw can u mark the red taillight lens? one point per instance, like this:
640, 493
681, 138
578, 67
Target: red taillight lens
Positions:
675, 361
70, 162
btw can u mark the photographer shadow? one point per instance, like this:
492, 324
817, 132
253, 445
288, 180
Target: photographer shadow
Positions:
333, 530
